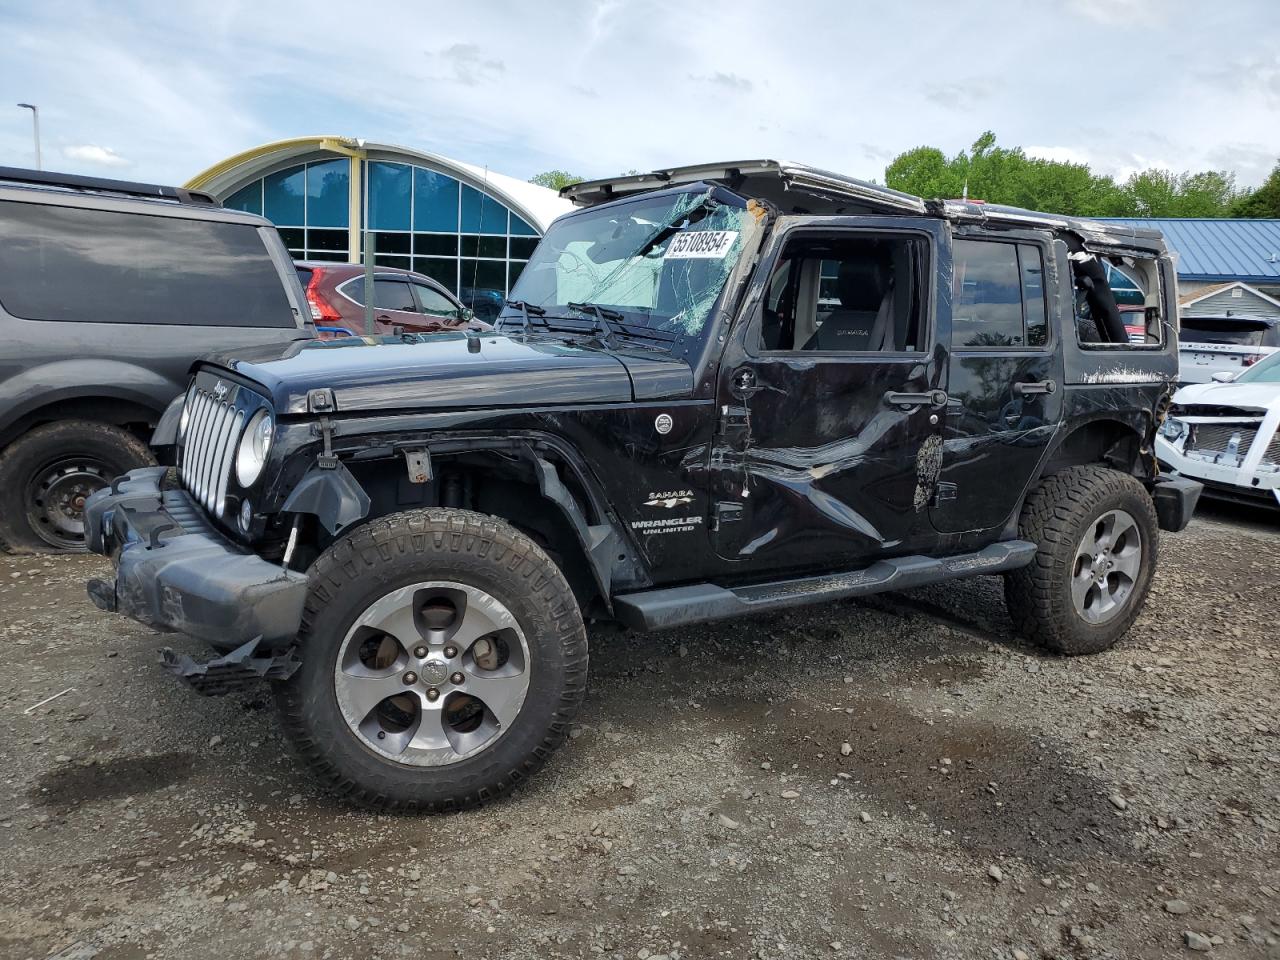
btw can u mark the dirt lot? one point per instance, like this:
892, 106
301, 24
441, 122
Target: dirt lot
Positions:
990, 802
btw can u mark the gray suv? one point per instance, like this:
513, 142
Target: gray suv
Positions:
108, 293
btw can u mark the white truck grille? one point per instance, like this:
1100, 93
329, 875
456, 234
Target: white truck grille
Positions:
208, 448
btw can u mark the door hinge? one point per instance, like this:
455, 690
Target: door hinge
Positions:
944, 492
325, 430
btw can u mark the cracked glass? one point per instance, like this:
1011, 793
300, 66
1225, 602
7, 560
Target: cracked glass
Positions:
660, 260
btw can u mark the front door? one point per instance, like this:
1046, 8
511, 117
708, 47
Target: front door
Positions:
1005, 383
830, 396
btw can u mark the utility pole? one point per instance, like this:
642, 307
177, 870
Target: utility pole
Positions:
35, 126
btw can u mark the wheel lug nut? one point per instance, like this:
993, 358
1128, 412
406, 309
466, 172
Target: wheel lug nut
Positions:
450, 652
420, 652
410, 678
457, 678
433, 693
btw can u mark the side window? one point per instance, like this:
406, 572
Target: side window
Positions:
1035, 305
998, 295
102, 266
848, 294
1117, 300
389, 293
432, 301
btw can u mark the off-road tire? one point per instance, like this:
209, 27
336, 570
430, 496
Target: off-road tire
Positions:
1056, 516
114, 448
435, 544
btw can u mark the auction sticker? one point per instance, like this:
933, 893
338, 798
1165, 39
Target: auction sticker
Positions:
701, 245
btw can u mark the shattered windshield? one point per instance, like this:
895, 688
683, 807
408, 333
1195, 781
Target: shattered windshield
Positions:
659, 261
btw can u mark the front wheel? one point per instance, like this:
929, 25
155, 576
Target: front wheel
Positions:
443, 659
1098, 544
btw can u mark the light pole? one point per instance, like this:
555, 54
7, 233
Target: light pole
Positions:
35, 126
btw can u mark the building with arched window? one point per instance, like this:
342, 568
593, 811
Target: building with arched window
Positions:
469, 228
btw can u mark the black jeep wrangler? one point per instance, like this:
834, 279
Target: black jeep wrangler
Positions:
716, 390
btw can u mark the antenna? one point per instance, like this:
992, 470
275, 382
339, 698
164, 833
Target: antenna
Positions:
475, 269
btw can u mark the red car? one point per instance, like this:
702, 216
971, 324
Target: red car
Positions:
404, 302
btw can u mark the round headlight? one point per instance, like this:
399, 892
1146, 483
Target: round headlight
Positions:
255, 444
246, 514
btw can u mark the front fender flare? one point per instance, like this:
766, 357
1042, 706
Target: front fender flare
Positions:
332, 495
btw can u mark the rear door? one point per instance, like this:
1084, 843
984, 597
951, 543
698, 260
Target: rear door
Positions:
1005, 382
830, 397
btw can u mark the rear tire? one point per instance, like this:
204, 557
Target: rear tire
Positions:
1098, 546
394, 706
48, 473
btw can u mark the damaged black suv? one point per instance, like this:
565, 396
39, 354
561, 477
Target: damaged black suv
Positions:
715, 390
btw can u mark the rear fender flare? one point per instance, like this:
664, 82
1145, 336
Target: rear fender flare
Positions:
1107, 428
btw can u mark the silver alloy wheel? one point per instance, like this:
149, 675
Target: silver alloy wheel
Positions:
432, 673
1106, 566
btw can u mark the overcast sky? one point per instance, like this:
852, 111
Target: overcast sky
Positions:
159, 91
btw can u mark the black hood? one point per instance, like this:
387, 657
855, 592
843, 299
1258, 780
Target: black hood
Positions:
457, 372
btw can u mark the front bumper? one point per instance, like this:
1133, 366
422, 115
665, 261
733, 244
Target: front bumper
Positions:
1231, 476
174, 571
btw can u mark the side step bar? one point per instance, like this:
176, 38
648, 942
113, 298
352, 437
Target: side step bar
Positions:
700, 602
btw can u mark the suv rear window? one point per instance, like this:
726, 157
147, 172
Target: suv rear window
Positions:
101, 266
1242, 332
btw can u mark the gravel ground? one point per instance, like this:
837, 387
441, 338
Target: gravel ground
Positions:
892, 778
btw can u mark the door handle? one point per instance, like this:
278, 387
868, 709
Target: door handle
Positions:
905, 401
1027, 389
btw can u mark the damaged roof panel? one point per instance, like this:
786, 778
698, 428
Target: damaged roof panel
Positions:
799, 188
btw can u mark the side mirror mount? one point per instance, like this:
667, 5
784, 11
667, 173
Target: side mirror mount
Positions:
1223, 376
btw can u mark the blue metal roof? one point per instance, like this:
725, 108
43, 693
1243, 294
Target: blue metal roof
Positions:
1219, 250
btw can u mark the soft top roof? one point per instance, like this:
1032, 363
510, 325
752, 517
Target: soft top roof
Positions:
798, 188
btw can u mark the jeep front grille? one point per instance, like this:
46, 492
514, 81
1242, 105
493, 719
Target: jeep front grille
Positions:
208, 448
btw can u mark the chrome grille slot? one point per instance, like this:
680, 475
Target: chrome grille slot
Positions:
208, 447
223, 466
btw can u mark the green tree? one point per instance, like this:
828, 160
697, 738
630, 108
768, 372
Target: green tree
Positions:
1263, 202
987, 171
555, 179
1161, 193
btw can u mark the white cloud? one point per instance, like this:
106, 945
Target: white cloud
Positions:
94, 154
601, 86
1060, 154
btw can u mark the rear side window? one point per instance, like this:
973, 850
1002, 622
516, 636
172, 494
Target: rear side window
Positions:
100, 266
998, 296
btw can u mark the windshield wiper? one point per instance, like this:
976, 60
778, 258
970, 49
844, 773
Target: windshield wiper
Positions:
605, 319
526, 309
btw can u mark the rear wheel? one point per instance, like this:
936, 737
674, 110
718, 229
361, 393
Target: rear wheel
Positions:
46, 476
1098, 544
443, 658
